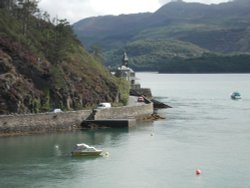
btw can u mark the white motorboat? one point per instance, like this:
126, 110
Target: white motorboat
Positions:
235, 95
85, 150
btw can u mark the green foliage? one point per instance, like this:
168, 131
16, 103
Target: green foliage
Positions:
124, 90
45, 103
58, 76
209, 63
36, 106
149, 54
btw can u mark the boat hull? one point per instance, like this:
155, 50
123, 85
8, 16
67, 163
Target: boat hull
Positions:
235, 97
86, 153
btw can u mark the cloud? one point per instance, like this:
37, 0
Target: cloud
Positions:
72, 10
163, 2
124, 7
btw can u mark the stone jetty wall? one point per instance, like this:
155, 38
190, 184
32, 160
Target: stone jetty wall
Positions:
138, 111
43, 122
51, 122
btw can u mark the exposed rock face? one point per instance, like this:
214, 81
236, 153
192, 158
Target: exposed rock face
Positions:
18, 94
153, 117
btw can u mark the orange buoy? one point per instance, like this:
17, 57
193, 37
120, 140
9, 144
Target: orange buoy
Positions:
198, 172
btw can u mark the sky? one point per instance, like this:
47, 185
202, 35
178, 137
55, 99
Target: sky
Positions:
75, 10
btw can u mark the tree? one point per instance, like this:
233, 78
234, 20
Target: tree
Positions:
59, 40
7, 4
97, 51
27, 8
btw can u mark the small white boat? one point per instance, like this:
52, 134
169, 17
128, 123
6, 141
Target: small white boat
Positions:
85, 150
235, 95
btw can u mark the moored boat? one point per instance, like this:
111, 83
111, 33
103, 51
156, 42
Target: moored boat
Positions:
85, 150
235, 95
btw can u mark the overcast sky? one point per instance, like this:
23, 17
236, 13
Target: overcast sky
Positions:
74, 10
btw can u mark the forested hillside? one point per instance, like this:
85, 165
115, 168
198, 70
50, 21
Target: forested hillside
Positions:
216, 28
150, 54
43, 66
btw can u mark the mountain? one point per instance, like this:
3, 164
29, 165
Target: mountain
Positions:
43, 66
218, 28
109, 31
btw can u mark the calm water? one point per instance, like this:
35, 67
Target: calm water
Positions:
204, 130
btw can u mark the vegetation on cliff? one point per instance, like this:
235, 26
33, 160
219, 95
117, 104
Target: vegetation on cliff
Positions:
43, 66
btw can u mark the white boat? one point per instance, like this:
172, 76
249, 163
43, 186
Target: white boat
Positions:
85, 150
235, 95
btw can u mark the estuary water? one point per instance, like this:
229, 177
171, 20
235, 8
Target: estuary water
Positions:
204, 130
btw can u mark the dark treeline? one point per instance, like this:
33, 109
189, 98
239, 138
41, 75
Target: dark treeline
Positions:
54, 35
209, 63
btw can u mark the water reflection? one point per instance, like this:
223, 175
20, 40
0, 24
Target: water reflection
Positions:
26, 148
102, 136
46, 159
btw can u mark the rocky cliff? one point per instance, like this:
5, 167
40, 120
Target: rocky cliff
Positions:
46, 67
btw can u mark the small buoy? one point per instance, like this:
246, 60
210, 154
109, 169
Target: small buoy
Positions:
151, 134
198, 172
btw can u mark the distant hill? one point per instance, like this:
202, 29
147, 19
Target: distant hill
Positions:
151, 54
218, 28
43, 66
109, 31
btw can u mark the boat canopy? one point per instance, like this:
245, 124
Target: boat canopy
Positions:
82, 146
236, 93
